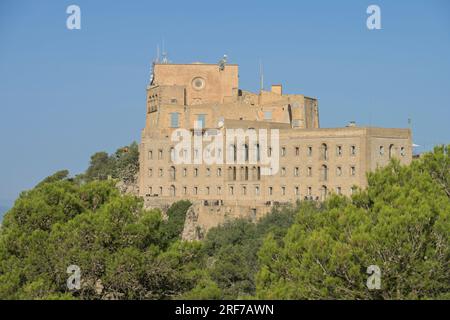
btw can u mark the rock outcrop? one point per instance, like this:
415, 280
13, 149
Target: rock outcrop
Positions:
192, 229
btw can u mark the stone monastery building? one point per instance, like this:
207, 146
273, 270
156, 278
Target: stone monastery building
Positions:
206, 102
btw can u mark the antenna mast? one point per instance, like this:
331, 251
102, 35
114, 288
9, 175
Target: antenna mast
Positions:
164, 53
157, 53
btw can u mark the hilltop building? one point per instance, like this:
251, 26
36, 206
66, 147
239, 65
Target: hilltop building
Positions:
205, 100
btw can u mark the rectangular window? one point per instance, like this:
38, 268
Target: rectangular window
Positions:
297, 151
283, 191
310, 151
296, 171
267, 115
174, 120
270, 191
201, 118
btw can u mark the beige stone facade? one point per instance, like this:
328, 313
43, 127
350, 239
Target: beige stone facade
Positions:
313, 161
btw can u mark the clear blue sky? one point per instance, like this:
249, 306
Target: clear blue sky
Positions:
67, 94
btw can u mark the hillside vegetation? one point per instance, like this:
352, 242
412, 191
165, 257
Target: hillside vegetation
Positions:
401, 224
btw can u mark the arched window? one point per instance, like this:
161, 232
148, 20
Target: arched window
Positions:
254, 174
391, 151
323, 193
324, 151
172, 191
172, 172
258, 152
232, 154
324, 173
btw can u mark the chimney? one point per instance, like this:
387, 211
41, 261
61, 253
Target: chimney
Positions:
278, 89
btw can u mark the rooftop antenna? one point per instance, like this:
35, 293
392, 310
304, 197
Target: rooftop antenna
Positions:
164, 54
152, 70
261, 75
157, 53
223, 62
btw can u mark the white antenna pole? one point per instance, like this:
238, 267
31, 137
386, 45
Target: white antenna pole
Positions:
157, 53
164, 53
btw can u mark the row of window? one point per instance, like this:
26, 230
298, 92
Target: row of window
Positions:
324, 153
246, 151
255, 172
391, 151
153, 102
245, 190
175, 120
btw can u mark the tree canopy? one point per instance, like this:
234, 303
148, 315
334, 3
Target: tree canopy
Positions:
311, 250
123, 165
400, 223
